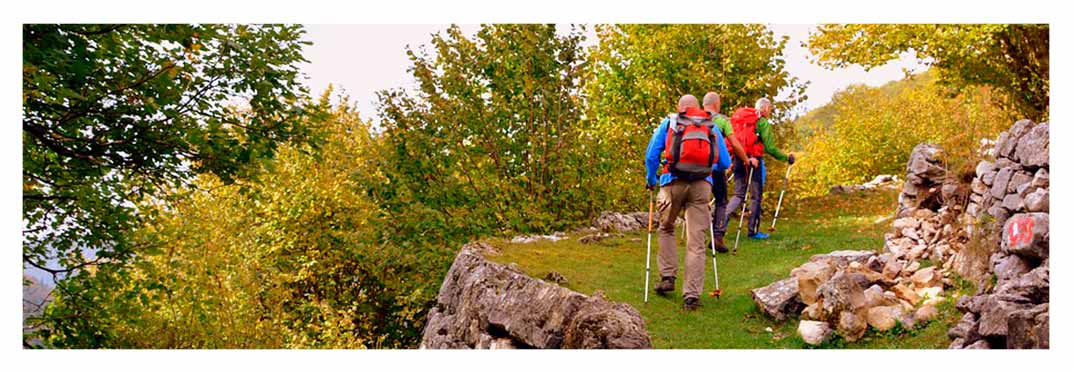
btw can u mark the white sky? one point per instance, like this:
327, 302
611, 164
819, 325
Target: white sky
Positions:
362, 59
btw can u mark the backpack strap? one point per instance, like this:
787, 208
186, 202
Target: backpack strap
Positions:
676, 140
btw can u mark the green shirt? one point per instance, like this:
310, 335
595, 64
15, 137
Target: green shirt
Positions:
763, 128
723, 123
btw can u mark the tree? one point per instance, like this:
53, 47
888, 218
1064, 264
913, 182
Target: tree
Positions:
116, 115
868, 131
292, 259
489, 141
637, 73
1013, 59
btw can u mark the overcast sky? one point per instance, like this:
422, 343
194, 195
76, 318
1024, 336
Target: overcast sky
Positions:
362, 59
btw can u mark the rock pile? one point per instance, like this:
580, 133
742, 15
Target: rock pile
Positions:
488, 305
539, 237
925, 181
845, 292
622, 222
879, 182
1014, 191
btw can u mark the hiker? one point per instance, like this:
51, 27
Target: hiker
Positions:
719, 182
753, 131
692, 154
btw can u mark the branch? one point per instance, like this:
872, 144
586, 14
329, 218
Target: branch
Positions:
26, 259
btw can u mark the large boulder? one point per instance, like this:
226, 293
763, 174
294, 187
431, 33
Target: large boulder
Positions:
1033, 147
1027, 235
1029, 328
779, 300
619, 222
994, 315
481, 301
599, 323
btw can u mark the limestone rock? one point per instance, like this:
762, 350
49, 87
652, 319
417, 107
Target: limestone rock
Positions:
851, 326
978, 186
984, 167
479, 297
779, 299
925, 313
599, 323
842, 258
814, 332
885, 317
1034, 146
1007, 266
1038, 201
1029, 328
1027, 235
843, 292
619, 222
965, 329
1002, 181
809, 278
1012, 202
994, 315
1042, 179
1018, 179
903, 292
927, 277
892, 269
906, 222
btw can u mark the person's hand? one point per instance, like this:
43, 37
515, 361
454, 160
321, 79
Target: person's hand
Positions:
650, 186
791, 160
754, 162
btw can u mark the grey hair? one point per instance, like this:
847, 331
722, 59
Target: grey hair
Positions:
762, 103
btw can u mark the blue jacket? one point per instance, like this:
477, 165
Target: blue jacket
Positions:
658, 144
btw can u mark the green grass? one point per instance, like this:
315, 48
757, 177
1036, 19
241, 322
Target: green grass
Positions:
809, 227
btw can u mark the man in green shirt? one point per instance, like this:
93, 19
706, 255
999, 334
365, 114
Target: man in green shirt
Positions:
719, 183
755, 145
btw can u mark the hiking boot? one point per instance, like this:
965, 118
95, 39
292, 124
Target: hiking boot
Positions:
665, 285
759, 236
719, 245
691, 304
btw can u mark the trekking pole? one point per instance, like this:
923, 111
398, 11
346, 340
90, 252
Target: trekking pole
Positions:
741, 220
785, 184
648, 256
715, 267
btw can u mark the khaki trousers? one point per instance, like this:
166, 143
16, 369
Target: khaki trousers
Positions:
693, 198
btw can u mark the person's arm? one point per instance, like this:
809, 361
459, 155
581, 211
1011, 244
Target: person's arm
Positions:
764, 128
655, 152
728, 132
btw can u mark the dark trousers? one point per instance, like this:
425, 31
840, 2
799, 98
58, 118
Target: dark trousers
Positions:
756, 192
719, 212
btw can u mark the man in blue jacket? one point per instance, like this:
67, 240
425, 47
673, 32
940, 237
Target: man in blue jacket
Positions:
677, 194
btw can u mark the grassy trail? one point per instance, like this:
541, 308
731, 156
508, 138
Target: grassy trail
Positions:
616, 267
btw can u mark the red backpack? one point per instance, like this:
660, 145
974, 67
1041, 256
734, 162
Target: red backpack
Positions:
691, 149
744, 123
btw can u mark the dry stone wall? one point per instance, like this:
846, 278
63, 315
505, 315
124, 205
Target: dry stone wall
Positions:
1001, 216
